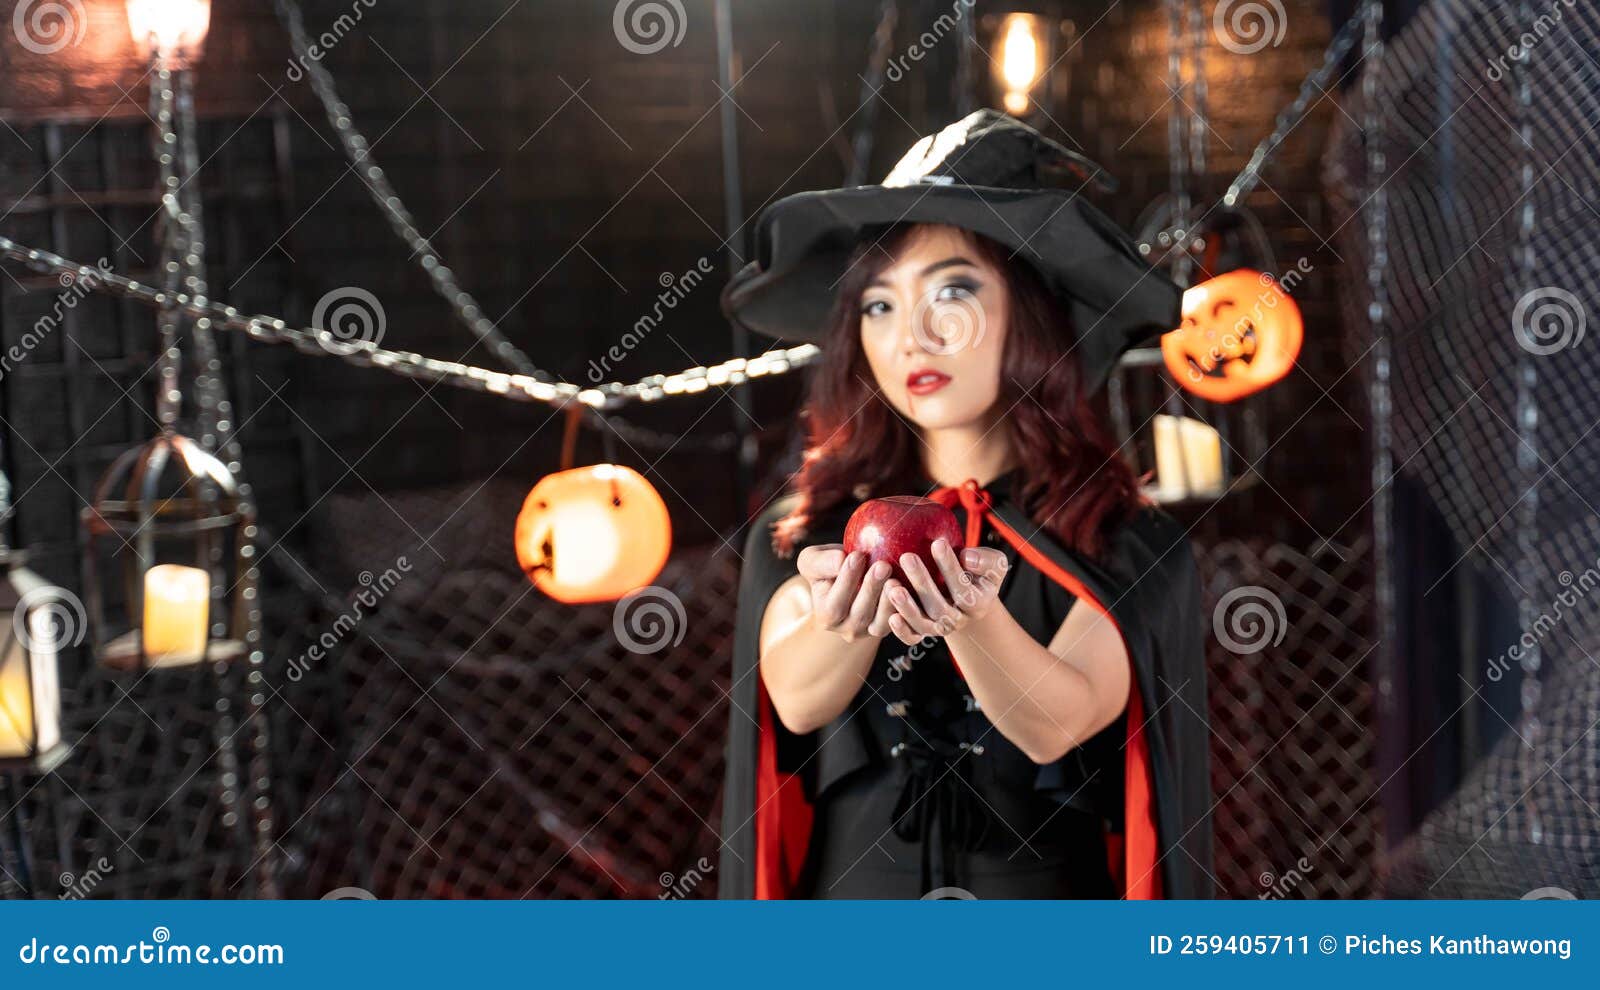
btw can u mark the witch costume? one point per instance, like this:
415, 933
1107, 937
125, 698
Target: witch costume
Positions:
911, 792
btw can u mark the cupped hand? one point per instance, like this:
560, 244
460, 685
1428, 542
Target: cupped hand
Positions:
846, 594
972, 581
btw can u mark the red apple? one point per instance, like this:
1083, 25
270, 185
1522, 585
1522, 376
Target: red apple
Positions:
885, 528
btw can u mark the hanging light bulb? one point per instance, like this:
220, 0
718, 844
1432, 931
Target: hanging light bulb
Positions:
1021, 59
174, 31
593, 534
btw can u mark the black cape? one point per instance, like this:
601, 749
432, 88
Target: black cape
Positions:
1147, 582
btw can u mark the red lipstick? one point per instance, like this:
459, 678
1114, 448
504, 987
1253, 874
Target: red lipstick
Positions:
926, 381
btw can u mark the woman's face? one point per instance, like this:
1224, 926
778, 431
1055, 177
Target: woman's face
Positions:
933, 327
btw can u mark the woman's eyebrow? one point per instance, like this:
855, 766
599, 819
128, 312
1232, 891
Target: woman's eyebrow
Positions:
946, 263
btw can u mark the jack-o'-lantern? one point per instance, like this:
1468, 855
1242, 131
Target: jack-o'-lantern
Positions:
1240, 334
593, 534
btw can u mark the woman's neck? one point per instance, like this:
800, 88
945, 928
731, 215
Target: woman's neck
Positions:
951, 456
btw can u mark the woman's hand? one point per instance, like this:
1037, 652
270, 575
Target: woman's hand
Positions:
973, 580
846, 595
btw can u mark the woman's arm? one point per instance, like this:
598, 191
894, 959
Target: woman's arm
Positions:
819, 634
1045, 699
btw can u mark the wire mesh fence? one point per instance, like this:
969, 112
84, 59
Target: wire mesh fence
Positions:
1485, 114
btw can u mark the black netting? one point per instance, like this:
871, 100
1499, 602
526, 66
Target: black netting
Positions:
503, 745
1466, 320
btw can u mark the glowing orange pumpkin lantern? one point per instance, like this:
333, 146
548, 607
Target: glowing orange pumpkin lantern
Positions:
1240, 333
593, 534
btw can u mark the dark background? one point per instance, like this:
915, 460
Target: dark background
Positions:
561, 212
561, 176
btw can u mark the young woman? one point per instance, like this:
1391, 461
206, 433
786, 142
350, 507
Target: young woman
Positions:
1029, 721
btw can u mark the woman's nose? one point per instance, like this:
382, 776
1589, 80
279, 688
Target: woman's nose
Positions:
916, 330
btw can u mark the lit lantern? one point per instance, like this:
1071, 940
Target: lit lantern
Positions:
39, 620
1240, 334
174, 540
1020, 60
593, 534
173, 31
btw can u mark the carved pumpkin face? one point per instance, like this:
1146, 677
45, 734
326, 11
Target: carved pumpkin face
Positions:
593, 534
1240, 333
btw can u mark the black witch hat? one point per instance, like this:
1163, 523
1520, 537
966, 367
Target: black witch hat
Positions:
988, 173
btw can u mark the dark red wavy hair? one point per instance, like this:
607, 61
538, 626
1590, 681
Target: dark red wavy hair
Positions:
1074, 482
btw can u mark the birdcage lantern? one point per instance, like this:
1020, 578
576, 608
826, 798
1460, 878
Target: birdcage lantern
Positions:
39, 620
167, 548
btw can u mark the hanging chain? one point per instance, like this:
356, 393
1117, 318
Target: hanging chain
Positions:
1524, 273
359, 152
1290, 116
519, 388
165, 140
183, 263
1379, 395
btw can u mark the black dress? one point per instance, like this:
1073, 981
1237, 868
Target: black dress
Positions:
886, 802
917, 794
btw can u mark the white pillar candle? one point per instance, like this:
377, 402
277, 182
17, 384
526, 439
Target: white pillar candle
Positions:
1188, 458
177, 606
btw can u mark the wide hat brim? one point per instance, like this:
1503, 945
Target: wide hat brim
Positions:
804, 241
